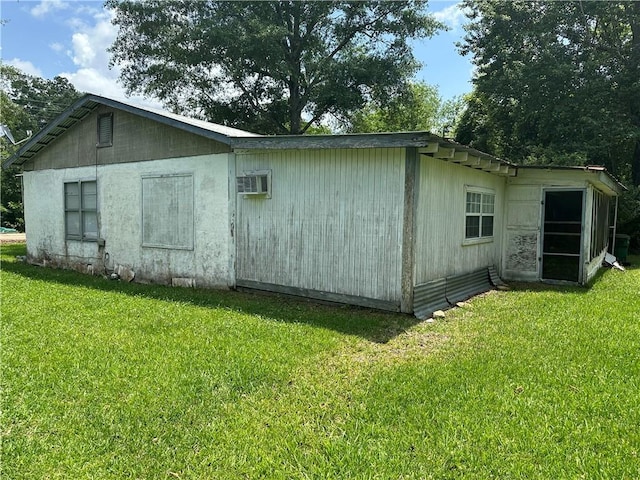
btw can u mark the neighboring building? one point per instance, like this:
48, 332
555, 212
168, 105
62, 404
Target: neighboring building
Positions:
407, 222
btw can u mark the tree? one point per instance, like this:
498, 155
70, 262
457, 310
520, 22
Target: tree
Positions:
272, 66
418, 108
557, 82
26, 103
414, 109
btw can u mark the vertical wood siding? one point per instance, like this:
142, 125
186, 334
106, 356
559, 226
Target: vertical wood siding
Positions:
333, 222
440, 221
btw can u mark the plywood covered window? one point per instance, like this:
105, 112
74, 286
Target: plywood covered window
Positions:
167, 211
81, 210
479, 214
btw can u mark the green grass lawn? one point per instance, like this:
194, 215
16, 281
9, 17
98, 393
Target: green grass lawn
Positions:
102, 379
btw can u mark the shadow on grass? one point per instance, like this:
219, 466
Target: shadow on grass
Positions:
372, 325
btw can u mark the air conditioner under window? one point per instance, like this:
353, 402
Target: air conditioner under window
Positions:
254, 183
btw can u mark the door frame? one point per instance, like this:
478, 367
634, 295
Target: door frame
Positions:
584, 191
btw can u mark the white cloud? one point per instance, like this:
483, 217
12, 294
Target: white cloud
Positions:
25, 66
453, 16
89, 53
90, 42
47, 6
57, 47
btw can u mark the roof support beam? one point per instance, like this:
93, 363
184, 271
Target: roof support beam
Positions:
471, 161
460, 157
445, 153
430, 148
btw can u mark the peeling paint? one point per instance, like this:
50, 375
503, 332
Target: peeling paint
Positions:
522, 252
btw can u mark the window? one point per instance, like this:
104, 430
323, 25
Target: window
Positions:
168, 211
480, 207
81, 210
105, 130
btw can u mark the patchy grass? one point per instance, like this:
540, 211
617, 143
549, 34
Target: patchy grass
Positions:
109, 380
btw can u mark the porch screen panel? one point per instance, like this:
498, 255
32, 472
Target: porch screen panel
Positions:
167, 211
599, 224
562, 235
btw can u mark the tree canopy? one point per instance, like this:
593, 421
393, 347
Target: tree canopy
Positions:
270, 67
418, 108
27, 103
556, 82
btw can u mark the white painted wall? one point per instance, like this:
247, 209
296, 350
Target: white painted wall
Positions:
120, 220
333, 224
440, 221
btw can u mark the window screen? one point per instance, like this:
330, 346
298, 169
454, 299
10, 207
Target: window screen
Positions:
167, 211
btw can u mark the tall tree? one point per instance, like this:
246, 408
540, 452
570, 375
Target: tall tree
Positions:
419, 108
272, 66
556, 81
26, 103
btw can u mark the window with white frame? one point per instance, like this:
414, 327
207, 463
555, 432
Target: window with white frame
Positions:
81, 210
480, 208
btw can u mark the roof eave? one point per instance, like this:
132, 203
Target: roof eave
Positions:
80, 105
602, 177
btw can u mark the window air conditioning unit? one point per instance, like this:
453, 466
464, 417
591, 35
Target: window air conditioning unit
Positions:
254, 183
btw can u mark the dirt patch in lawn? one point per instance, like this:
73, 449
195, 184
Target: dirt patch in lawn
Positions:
6, 238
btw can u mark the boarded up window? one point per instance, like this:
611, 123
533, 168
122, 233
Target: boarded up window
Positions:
81, 210
105, 130
167, 211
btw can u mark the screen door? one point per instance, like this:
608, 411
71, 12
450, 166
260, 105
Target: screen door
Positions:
562, 235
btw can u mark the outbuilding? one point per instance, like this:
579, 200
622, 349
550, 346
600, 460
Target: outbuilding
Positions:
408, 222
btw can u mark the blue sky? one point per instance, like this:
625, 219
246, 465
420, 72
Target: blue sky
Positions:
70, 38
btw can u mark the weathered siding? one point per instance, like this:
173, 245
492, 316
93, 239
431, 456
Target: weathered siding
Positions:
333, 224
522, 232
440, 221
525, 194
135, 139
120, 221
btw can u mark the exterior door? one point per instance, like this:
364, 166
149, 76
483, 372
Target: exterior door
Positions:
562, 235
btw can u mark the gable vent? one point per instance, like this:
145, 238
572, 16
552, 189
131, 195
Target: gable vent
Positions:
254, 183
105, 130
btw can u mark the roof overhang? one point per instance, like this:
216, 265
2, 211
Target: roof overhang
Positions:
596, 175
426, 143
90, 102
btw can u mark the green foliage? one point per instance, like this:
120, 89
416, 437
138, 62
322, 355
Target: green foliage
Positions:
418, 108
556, 82
104, 379
269, 67
414, 109
40, 100
27, 103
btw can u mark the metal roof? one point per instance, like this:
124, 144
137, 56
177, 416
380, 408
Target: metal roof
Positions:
88, 103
